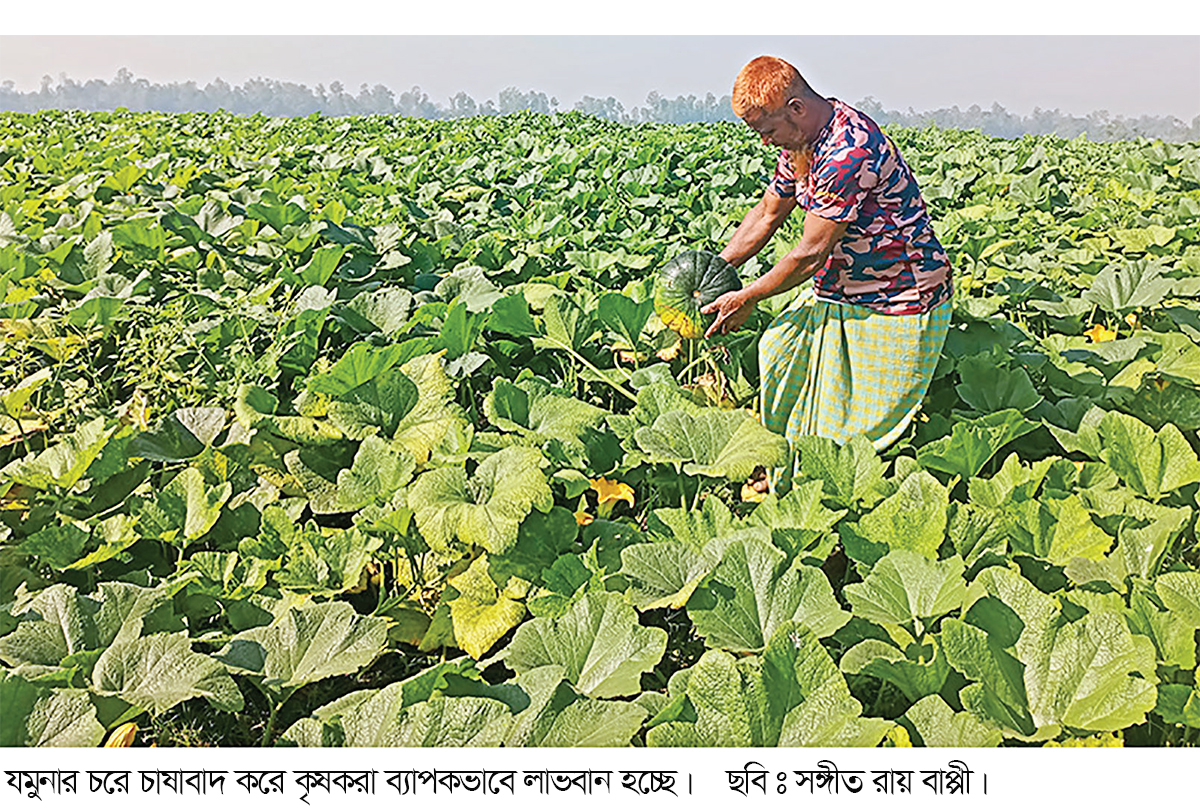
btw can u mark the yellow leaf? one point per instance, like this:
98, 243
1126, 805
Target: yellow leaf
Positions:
1099, 334
136, 411
27, 426
670, 353
122, 736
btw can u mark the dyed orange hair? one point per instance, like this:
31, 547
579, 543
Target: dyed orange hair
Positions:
765, 84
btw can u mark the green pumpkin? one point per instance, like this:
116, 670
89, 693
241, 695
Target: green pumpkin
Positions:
688, 282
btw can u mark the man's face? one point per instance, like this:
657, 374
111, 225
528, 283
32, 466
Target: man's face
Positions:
779, 128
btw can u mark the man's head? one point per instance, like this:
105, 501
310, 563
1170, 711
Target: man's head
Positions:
772, 97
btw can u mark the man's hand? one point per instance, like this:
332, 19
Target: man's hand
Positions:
799, 265
732, 308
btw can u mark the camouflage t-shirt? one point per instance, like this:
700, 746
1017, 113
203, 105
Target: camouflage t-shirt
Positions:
889, 259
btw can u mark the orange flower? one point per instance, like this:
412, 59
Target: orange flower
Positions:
608, 493
583, 518
1099, 333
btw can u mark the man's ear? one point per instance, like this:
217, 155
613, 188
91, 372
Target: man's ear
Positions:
797, 106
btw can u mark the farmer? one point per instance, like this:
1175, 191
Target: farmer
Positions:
855, 353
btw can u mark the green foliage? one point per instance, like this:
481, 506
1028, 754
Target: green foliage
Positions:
294, 410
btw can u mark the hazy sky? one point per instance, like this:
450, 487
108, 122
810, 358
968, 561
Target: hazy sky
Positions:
1126, 75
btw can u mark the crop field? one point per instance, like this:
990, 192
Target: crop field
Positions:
364, 431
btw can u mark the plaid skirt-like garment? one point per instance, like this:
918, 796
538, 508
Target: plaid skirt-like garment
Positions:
838, 370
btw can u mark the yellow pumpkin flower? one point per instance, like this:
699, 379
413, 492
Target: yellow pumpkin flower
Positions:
749, 493
122, 736
1132, 319
608, 493
1099, 333
583, 518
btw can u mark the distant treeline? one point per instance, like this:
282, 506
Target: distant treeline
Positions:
276, 98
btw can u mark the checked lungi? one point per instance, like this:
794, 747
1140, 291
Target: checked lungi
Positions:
838, 370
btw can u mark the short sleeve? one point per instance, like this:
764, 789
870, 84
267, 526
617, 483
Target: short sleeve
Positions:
841, 181
784, 181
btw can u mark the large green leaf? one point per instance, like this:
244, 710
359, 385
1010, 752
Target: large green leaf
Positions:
185, 509
510, 315
471, 287
753, 591
1180, 592
378, 405
326, 562
1014, 482
910, 589
387, 309
998, 693
533, 409
13, 400
939, 726
851, 474
1121, 289
380, 468
598, 641
566, 324
438, 722
988, 388
1152, 464
1142, 549
1172, 633
1058, 530
972, 444
591, 723
716, 443
542, 539
182, 435
63, 464
485, 510
695, 527
919, 670
801, 508
666, 574
557, 716
435, 411
911, 518
624, 317
158, 671
656, 398
1091, 674
37, 716
306, 644
791, 695
57, 622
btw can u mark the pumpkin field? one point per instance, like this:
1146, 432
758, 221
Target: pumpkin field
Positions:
365, 432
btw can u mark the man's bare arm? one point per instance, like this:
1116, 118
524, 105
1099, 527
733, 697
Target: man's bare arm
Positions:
757, 228
802, 262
